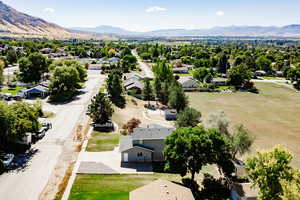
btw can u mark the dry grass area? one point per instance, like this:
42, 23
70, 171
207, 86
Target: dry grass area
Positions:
272, 116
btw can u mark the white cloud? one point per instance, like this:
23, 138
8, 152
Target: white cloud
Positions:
49, 10
220, 13
156, 9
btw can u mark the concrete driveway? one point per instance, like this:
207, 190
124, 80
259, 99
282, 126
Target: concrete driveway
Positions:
111, 160
28, 183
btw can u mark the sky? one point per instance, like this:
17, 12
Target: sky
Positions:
146, 15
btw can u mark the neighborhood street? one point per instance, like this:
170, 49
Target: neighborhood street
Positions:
146, 69
30, 181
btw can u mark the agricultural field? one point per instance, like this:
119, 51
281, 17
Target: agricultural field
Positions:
272, 116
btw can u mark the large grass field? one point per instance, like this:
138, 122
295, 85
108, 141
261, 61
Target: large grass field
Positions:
102, 142
272, 116
112, 187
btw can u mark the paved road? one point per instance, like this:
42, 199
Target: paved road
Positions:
146, 69
29, 183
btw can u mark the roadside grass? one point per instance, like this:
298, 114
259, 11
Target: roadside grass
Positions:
272, 116
12, 91
108, 187
102, 142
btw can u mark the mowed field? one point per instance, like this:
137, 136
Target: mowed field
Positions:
272, 116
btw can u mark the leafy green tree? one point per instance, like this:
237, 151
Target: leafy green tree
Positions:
147, 91
222, 64
33, 67
115, 89
189, 149
128, 63
241, 141
268, 169
2, 58
188, 117
71, 63
1, 72
264, 64
291, 189
11, 56
239, 75
100, 109
177, 98
202, 73
294, 76
64, 83
145, 55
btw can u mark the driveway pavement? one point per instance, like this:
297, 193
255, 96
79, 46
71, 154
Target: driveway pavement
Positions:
28, 183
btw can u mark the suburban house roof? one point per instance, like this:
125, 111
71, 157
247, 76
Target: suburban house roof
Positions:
40, 88
135, 84
128, 76
162, 190
151, 133
126, 144
188, 81
219, 80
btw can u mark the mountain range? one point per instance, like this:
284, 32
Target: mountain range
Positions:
15, 23
255, 31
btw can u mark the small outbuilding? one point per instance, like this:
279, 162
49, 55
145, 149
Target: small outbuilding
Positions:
188, 82
219, 81
162, 190
38, 91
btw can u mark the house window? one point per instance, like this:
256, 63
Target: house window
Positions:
140, 154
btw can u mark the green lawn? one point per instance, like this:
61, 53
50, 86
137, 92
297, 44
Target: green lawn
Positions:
272, 116
12, 91
102, 142
112, 187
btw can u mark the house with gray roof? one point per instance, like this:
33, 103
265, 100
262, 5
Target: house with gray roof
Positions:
144, 144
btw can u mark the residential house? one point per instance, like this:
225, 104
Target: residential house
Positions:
144, 144
46, 50
161, 190
38, 91
170, 114
133, 82
243, 191
95, 66
188, 82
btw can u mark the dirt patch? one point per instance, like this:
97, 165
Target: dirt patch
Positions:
64, 167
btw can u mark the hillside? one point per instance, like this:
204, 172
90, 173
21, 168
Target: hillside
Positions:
15, 23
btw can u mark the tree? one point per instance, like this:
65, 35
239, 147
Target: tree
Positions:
33, 67
188, 149
188, 117
128, 63
177, 98
147, 91
64, 83
268, 169
239, 75
294, 76
219, 121
115, 89
130, 126
241, 141
222, 64
100, 109
291, 189
264, 64
71, 63
12, 56
2, 64
201, 73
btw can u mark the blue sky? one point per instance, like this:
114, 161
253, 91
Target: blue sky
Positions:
145, 15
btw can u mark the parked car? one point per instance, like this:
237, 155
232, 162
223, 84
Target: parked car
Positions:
8, 159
